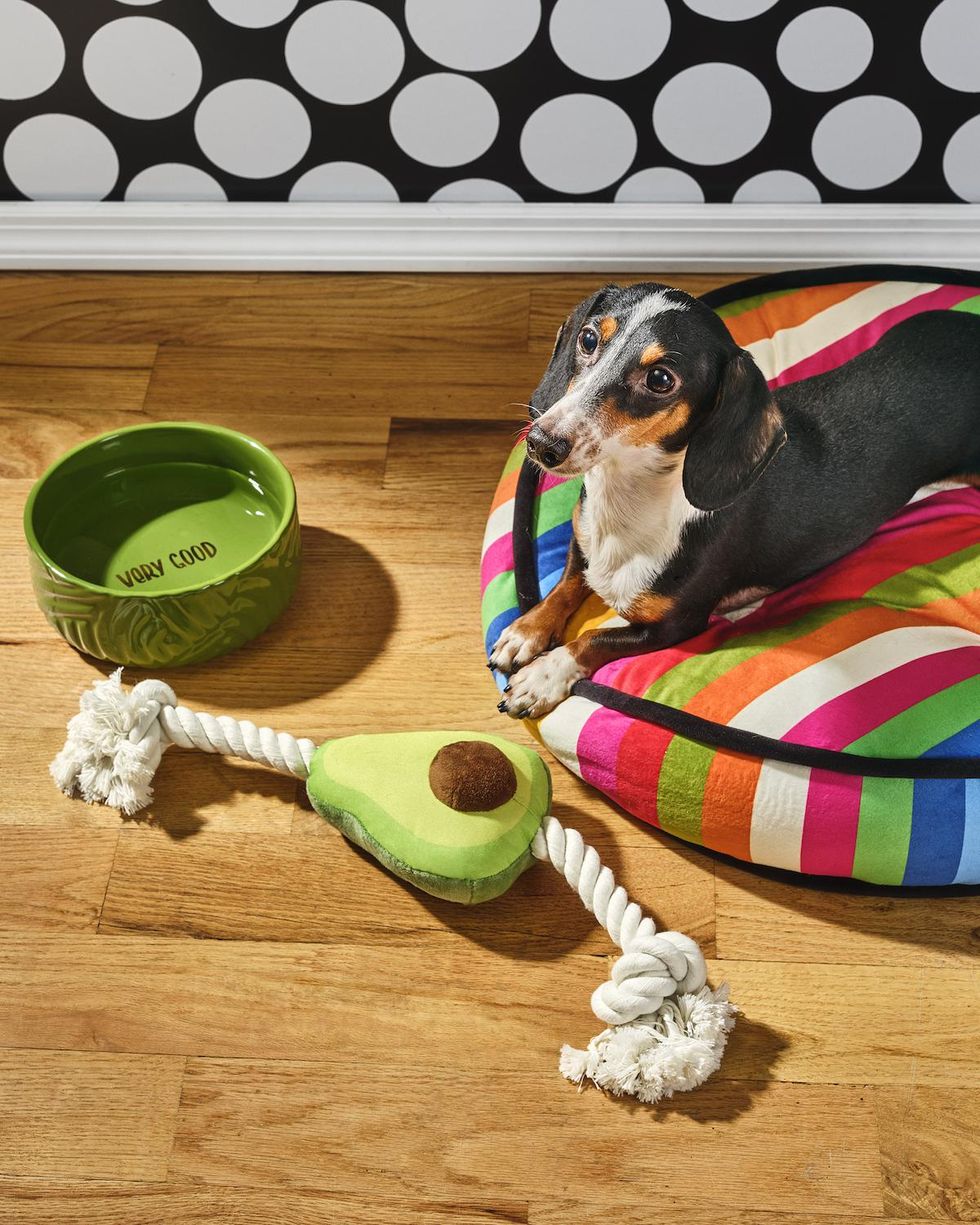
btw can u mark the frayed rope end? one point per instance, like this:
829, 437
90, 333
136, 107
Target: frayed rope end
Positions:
114, 744
656, 1056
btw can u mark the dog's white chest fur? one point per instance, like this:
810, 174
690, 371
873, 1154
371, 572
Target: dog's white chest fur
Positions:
631, 524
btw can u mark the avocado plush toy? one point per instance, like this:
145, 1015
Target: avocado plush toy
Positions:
452, 813
458, 814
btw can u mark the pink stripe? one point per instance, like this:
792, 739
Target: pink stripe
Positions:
598, 748
498, 557
862, 338
549, 481
845, 719
830, 823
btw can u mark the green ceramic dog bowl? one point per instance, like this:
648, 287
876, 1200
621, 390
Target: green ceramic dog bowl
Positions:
163, 544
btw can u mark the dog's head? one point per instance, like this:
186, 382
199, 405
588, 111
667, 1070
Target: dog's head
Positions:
650, 372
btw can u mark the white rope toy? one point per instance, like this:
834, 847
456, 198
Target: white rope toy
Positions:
666, 1028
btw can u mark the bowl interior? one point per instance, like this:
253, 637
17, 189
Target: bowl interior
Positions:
159, 509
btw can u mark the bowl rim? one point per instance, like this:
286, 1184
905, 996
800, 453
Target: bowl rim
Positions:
286, 518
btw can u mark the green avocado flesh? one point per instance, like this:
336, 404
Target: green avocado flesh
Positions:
376, 791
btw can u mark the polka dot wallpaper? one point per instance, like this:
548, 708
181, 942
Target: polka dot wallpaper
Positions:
490, 100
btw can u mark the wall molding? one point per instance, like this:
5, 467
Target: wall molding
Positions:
482, 237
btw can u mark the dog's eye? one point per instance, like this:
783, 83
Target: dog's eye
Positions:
588, 341
660, 380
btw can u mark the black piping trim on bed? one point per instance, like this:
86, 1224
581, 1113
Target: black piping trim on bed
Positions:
693, 727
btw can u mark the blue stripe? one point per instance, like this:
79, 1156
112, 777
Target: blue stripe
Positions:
551, 549
497, 627
968, 873
938, 823
550, 581
966, 744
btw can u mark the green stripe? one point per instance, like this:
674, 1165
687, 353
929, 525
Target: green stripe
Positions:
680, 789
952, 576
555, 505
884, 830
748, 304
971, 305
501, 594
514, 459
914, 731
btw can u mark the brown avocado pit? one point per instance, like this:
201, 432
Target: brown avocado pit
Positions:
472, 776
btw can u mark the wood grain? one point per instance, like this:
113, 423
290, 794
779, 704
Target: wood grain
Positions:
221, 1012
170, 1203
67, 1114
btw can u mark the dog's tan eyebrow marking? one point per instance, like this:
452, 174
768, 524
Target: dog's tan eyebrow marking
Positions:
607, 327
652, 354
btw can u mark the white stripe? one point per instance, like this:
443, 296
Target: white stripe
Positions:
560, 730
777, 815
500, 523
791, 345
927, 491
774, 712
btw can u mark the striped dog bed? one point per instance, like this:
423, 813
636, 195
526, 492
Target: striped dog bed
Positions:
832, 728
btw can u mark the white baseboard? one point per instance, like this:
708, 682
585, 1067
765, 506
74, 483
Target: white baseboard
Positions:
483, 237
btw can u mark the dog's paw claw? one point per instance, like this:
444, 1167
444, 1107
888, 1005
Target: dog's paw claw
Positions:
517, 645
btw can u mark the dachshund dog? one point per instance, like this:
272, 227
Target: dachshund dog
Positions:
702, 488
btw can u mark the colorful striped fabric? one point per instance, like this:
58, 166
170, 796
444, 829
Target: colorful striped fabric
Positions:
878, 655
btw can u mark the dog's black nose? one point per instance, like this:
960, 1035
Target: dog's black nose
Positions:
547, 449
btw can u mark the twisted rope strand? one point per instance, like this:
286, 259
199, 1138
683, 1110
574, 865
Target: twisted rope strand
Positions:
653, 966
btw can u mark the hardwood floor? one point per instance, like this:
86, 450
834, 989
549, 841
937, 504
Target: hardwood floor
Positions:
223, 1013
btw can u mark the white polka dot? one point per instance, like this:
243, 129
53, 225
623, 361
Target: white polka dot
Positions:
60, 157
777, 187
475, 191
631, 35
140, 3
730, 10
660, 185
32, 53
174, 181
824, 48
961, 161
951, 44
473, 35
344, 51
712, 113
866, 142
343, 181
254, 14
142, 67
252, 128
578, 143
444, 119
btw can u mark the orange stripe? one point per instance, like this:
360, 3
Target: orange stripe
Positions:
726, 811
505, 490
723, 698
789, 311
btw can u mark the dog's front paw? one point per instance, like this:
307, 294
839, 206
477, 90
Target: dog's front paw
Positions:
521, 641
538, 688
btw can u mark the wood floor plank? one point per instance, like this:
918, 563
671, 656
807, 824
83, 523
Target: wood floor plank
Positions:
476, 1004
426, 381
647, 1208
930, 1153
845, 1024
67, 1114
54, 879
798, 922
24, 1202
35, 437
256, 887
273, 310
51, 379
309, 1124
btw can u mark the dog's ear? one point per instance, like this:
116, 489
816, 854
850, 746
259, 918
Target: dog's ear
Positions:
738, 439
561, 367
